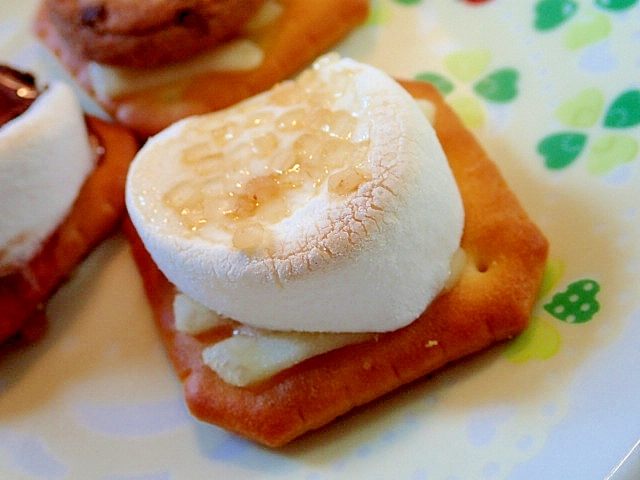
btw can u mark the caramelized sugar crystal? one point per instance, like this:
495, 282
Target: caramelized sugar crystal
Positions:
292, 120
246, 170
264, 145
221, 136
339, 123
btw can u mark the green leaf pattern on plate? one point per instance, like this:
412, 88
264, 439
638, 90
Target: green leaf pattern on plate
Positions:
610, 151
379, 13
606, 151
624, 112
440, 81
499, 86
540, 341
470, 67
550, 14
616, 4
467, 65
585, 27
582, 111
553, 272
469, 109
577, 304
561, 149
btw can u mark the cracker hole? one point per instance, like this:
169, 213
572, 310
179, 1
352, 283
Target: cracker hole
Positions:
482, 267
480, 264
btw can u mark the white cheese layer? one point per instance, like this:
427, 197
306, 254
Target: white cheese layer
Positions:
323, 205
238, 55
253, 355
192, 317
45, 157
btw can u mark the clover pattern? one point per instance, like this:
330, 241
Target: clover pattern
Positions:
600, 130
472, 68
604, 152
576, 304
379, 11
583, 26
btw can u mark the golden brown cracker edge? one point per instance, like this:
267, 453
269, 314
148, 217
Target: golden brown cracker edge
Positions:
491, 302
96, 212
306, 29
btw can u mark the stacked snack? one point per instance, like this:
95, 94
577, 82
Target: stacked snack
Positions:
152, 63
314, 247
41, 173
148, 34
61, 186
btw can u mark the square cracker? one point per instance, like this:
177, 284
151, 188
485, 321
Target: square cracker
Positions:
305, 29
491, 301
96, 212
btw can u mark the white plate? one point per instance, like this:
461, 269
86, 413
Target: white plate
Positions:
97, 398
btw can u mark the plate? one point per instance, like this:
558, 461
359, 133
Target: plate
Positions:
551, 90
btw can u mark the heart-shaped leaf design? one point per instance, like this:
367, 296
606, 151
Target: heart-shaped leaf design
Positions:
624, 111
499, 86
467, 65
609, 151
444, 85
583, 110
469, 109
379, 14
588, 29
551, 13
540, 341
553, 272
616, 4
561, 149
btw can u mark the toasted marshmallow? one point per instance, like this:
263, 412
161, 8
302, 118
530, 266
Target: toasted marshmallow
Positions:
45, 157
240, 54
323, 205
